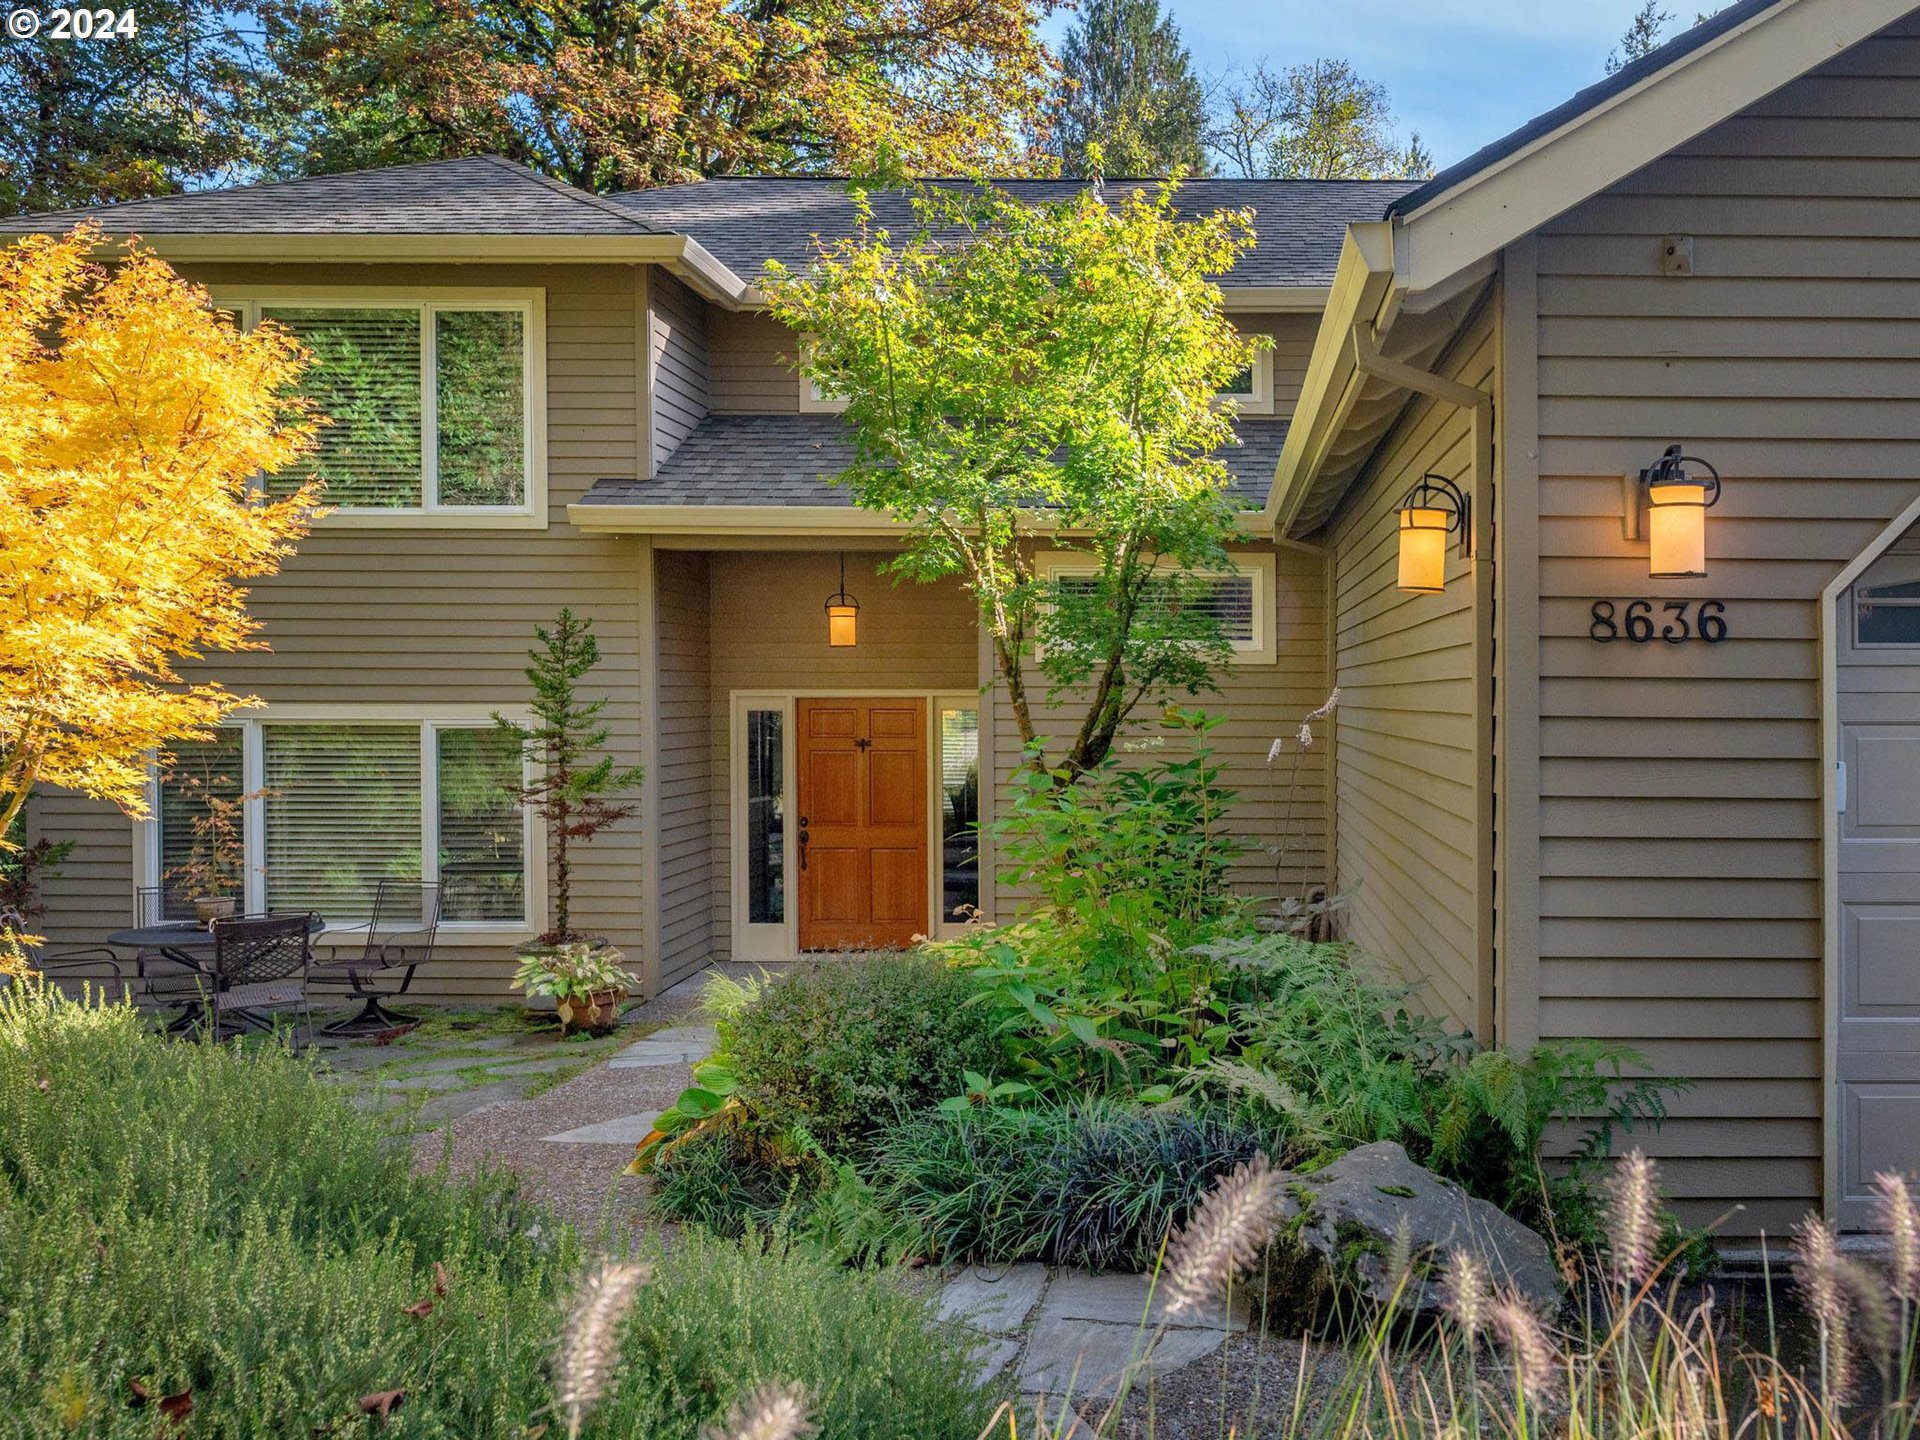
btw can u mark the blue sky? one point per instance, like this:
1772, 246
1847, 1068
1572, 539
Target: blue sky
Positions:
1461, 72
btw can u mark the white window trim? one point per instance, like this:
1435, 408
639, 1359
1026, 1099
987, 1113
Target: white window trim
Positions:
814, 400
531, 304
781, 941
1893, 568
1052, 565
430, 719
1258, 401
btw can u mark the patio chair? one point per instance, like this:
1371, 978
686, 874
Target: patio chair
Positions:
64, 963
163, 980
260, 963
385, 952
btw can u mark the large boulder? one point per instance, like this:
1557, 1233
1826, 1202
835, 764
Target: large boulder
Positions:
1343, 1227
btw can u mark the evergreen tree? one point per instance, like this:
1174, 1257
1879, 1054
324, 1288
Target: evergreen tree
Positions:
569, 793
1642, 37
1129, 99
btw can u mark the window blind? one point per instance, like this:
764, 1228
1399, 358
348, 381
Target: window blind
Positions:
480, 385
482, 832
343, 812
365, 375
1228, 598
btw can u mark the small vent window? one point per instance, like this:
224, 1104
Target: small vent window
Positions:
1231, 599
1887, 614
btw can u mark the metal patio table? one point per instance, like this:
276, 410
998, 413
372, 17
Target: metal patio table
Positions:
185, 943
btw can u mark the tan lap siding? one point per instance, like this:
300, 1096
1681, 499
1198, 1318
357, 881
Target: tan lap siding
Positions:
416, 616
770, 633
1258, 702
677, 324
683, 774
1406, 776
1680, 807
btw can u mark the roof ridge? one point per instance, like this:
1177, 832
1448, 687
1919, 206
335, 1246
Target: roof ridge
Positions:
572, 192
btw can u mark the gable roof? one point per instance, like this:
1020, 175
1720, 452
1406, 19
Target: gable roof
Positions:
1582, 102
1298, 224
481, 194
1400, 279
1608, 131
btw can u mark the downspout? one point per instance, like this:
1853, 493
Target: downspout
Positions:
1368, 360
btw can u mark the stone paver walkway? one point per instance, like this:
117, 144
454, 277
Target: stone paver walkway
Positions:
1064, 1332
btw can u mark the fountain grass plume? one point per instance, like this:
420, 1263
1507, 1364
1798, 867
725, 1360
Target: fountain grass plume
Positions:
591, 1338
1224, 1236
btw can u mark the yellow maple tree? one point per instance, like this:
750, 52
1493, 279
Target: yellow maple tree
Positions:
135, 422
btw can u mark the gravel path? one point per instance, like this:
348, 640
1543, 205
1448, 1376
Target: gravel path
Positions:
582, 1182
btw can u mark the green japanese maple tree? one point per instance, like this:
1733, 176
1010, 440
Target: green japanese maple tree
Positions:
1025, 375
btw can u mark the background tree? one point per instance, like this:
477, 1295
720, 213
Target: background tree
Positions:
1318, 121
133, 422
1643, 36
571, 793
82, 123
613, 94
1020, 375
1127, 86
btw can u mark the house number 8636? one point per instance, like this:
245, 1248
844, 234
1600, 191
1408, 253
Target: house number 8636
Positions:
1675, 621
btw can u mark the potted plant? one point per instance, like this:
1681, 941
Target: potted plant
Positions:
211, 874
572, 792
583, 979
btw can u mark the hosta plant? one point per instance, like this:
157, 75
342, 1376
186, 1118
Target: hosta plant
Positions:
581, 978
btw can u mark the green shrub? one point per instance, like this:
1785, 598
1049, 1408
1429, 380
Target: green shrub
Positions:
719, 1318
177, 1215
1096, 1185
842, 1046
225, 1225
725, 1178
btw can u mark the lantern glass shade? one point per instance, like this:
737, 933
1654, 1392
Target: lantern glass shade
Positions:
842, 623
1677, 529
1423, 549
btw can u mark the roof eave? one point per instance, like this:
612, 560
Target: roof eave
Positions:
791, 521
1365, 290
1516, 194
681, 254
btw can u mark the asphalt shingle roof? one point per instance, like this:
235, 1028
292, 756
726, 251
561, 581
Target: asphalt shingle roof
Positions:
479, 195
788, 459
1298, 224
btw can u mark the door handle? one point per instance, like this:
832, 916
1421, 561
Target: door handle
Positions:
804, 840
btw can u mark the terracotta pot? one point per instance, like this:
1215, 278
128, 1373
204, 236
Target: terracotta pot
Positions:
209, 908
595, 1015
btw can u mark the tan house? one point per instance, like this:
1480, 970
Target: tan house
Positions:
1629, 740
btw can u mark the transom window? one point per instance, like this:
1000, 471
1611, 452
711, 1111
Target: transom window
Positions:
1241, 601
434, 402
327, 809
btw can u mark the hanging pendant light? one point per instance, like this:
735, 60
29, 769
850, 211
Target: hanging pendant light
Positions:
843, 613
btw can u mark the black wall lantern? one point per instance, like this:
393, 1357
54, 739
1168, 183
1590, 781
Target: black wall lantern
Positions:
1431, 511
1677, 501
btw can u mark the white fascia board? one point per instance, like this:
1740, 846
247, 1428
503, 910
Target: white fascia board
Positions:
824, 521
1364, 290
1517, 195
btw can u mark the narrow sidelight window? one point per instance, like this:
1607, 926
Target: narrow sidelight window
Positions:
959, 813
766, 819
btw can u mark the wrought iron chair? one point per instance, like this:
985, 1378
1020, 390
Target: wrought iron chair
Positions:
260, 962
68, 963
386, 950
163, 980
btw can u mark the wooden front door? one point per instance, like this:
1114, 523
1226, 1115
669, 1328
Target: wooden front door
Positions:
863, 823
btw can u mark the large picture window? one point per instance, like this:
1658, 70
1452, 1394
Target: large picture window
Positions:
334, 807
433, 402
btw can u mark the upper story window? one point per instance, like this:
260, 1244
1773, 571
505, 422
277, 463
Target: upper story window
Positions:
1252, 389
436, 398
815, 400
1241, 600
